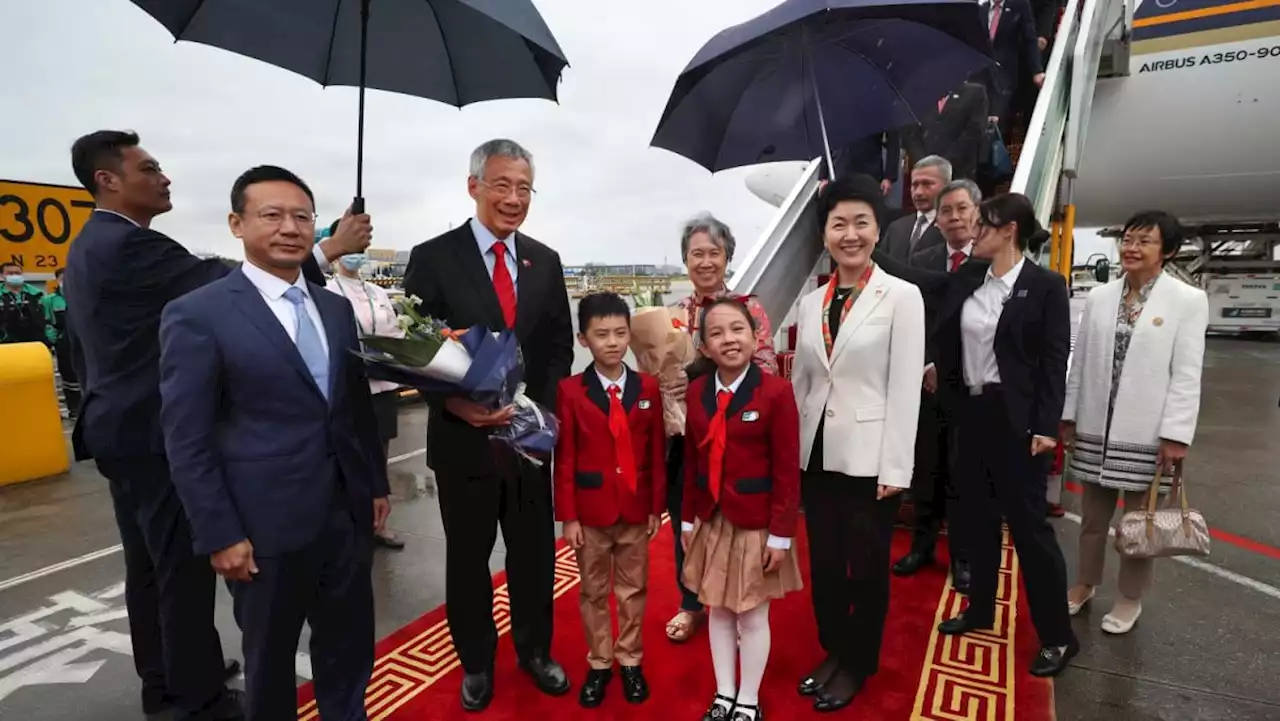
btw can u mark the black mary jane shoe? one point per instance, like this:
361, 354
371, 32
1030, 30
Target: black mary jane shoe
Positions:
833, 697
743, 712
811, 684
634, 688
719, 712
592, 694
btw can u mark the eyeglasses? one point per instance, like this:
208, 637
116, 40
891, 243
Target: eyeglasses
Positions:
1137, 243
273, 216
503, 189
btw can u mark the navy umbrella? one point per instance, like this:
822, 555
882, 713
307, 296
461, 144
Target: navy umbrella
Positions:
454, 51
810, 74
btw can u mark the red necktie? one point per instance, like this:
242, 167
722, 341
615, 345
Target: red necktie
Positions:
956, 259
503, 285
621, 431
717, 437
997, 6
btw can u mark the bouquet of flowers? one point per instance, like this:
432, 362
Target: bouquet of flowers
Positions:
662, 348
485, 367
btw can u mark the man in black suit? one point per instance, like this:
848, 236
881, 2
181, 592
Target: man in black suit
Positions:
1015, 40
878, 155
910, 234
957, 131
932, 491
486, 273
120, 274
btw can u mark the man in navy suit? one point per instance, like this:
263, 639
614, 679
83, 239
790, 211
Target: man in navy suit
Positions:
120, 274
274, 449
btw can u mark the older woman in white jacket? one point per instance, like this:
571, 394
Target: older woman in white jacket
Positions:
858, 368
1133, 398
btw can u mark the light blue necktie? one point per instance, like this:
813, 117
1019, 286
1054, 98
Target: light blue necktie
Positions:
308, 340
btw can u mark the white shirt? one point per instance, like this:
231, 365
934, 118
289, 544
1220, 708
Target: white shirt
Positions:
316, 251
774, 541
272, 290
979, 319
621, 383
486, 240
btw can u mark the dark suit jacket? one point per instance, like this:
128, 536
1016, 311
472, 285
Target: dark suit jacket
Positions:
1017, 55
1033, 338
760, 478
896, 240
879, 156
958, 133
119, 278
1046, 17
589, 485
254, 448
449, 275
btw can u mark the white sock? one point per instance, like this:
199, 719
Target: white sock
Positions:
753, 626
722, 630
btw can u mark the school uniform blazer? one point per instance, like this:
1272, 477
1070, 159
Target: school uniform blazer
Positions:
866, 396
761, 473
588, 481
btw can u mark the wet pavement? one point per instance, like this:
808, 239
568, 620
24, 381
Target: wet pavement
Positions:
1205, 649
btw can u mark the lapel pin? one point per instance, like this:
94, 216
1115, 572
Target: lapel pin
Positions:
644, 405
879, 292
1022, 293
1157, 322
525, 262
750, 416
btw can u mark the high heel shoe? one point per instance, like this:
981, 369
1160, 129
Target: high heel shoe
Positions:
1074, 608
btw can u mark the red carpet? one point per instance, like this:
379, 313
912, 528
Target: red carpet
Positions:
922, 675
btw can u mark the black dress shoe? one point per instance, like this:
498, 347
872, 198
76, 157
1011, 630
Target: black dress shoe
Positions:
912, 562
592, 694
548, 675
1053, 660
157, 702
960, 577
634, 687
477, 690
811, 684
961, 624
838, 693
229, 706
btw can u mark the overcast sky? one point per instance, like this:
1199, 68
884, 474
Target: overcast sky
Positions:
603, 194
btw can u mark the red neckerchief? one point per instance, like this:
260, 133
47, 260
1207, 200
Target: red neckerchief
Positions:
717, 438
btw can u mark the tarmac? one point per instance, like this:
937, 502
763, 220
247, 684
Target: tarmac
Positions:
1205, 648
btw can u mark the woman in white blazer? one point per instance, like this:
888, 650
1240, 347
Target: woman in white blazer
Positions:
1133, 399
858, 368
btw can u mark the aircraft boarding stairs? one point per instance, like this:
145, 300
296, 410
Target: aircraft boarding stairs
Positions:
1092, 41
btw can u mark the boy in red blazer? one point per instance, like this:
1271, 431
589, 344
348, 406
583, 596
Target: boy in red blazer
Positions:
610, 488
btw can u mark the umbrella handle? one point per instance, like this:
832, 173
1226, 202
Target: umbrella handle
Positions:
357, 206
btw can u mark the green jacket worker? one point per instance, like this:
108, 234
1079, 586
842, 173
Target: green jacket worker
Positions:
21, 311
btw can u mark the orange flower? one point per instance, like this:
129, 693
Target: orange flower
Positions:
451, 334
677, 324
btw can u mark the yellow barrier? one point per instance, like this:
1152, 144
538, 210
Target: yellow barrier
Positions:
30, 424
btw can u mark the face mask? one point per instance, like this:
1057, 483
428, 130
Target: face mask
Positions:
15, 280
354, 261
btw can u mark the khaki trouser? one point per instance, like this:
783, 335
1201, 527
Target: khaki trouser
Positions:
1098, 508
619, 553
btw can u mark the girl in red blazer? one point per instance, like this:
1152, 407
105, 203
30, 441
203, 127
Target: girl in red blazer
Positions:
610, 489
742, 487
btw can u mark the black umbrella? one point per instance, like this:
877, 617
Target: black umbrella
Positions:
454, 51
812, 74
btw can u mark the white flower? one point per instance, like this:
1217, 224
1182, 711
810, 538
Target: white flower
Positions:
414, 300
405, 322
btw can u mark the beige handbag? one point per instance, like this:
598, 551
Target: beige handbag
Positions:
1161, 532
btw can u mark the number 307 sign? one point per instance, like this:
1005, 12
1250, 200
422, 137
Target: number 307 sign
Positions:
38, 223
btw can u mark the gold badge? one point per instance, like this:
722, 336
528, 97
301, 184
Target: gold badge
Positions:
644, 405
1158, 322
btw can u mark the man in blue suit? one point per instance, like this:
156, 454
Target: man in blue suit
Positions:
120, 274
274, 449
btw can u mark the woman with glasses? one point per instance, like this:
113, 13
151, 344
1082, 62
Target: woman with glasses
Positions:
1002, 333
1133, 399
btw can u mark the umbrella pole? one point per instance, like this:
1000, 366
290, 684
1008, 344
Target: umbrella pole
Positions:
357, 205
822, 123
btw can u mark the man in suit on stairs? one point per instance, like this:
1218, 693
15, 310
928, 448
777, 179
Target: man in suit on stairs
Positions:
913, 233
957, 131
486, 273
